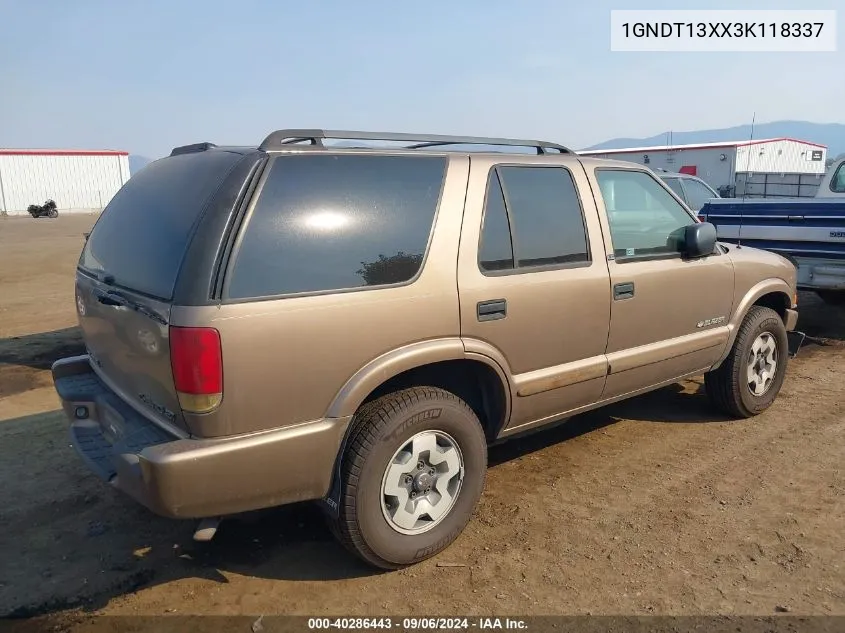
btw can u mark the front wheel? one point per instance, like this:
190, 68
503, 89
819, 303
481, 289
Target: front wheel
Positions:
412, 473
749, 380
52, 213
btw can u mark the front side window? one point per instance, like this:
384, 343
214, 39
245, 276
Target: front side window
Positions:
675, 185
837, 183
644, 219
697, 194
532, 218
336, 222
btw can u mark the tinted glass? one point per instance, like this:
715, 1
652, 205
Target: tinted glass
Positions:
697, 194
675, 185
333, 222
644, 219
547, 223
496, 248
143, 233
837, 183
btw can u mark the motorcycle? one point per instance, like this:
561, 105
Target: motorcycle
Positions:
48, 209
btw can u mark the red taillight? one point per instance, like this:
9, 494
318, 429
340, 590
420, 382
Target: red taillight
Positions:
196, 358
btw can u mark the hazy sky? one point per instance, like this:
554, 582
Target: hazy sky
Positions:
145, 76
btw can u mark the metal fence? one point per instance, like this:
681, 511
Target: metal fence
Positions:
751, 185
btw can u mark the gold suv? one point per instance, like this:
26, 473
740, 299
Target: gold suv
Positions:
354, 323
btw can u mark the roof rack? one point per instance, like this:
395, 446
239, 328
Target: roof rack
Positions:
190, 149
281, 138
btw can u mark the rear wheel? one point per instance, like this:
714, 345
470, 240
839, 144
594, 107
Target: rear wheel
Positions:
413, 471
750, 379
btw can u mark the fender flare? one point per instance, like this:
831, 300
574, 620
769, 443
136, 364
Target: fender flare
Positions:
764, 287
391, 364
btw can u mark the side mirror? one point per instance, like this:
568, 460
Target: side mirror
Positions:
699, 240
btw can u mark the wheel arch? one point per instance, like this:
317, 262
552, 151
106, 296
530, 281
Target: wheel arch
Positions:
771, 293
471, 372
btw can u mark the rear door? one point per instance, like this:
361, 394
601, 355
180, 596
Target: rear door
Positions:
669, 315
128, 270
533, 282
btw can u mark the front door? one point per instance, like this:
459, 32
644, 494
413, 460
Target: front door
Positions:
533, 283
669, 315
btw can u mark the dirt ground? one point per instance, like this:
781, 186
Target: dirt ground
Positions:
653, 506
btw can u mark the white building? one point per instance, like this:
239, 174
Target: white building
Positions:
77, 180
767, 167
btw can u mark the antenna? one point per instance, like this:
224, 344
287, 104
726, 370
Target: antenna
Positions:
745, 187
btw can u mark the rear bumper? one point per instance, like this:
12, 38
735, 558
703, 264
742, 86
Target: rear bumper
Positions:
192, 478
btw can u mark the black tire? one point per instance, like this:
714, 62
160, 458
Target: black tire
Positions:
832, 297
52, 213
379, 429
727, 386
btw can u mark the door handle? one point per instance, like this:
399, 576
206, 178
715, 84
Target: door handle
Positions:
623, 291
492, 310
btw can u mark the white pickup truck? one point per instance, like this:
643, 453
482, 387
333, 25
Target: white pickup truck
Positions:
833, 185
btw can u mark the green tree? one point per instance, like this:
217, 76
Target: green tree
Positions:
390, 270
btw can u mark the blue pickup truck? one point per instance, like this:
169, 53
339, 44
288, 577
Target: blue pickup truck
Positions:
808, 231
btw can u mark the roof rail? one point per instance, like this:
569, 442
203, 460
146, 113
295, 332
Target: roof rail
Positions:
280, 138
190, 149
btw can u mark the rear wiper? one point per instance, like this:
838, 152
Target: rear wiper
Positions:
134, 305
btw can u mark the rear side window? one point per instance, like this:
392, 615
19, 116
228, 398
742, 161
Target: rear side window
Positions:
496, 246
144, 231
532, 218
336, 222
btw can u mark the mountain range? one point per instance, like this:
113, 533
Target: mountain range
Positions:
137, 163
830, 134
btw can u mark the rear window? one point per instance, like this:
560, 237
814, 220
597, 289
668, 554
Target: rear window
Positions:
143, 233
337, 222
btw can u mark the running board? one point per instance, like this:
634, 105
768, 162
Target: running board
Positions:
795, 341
